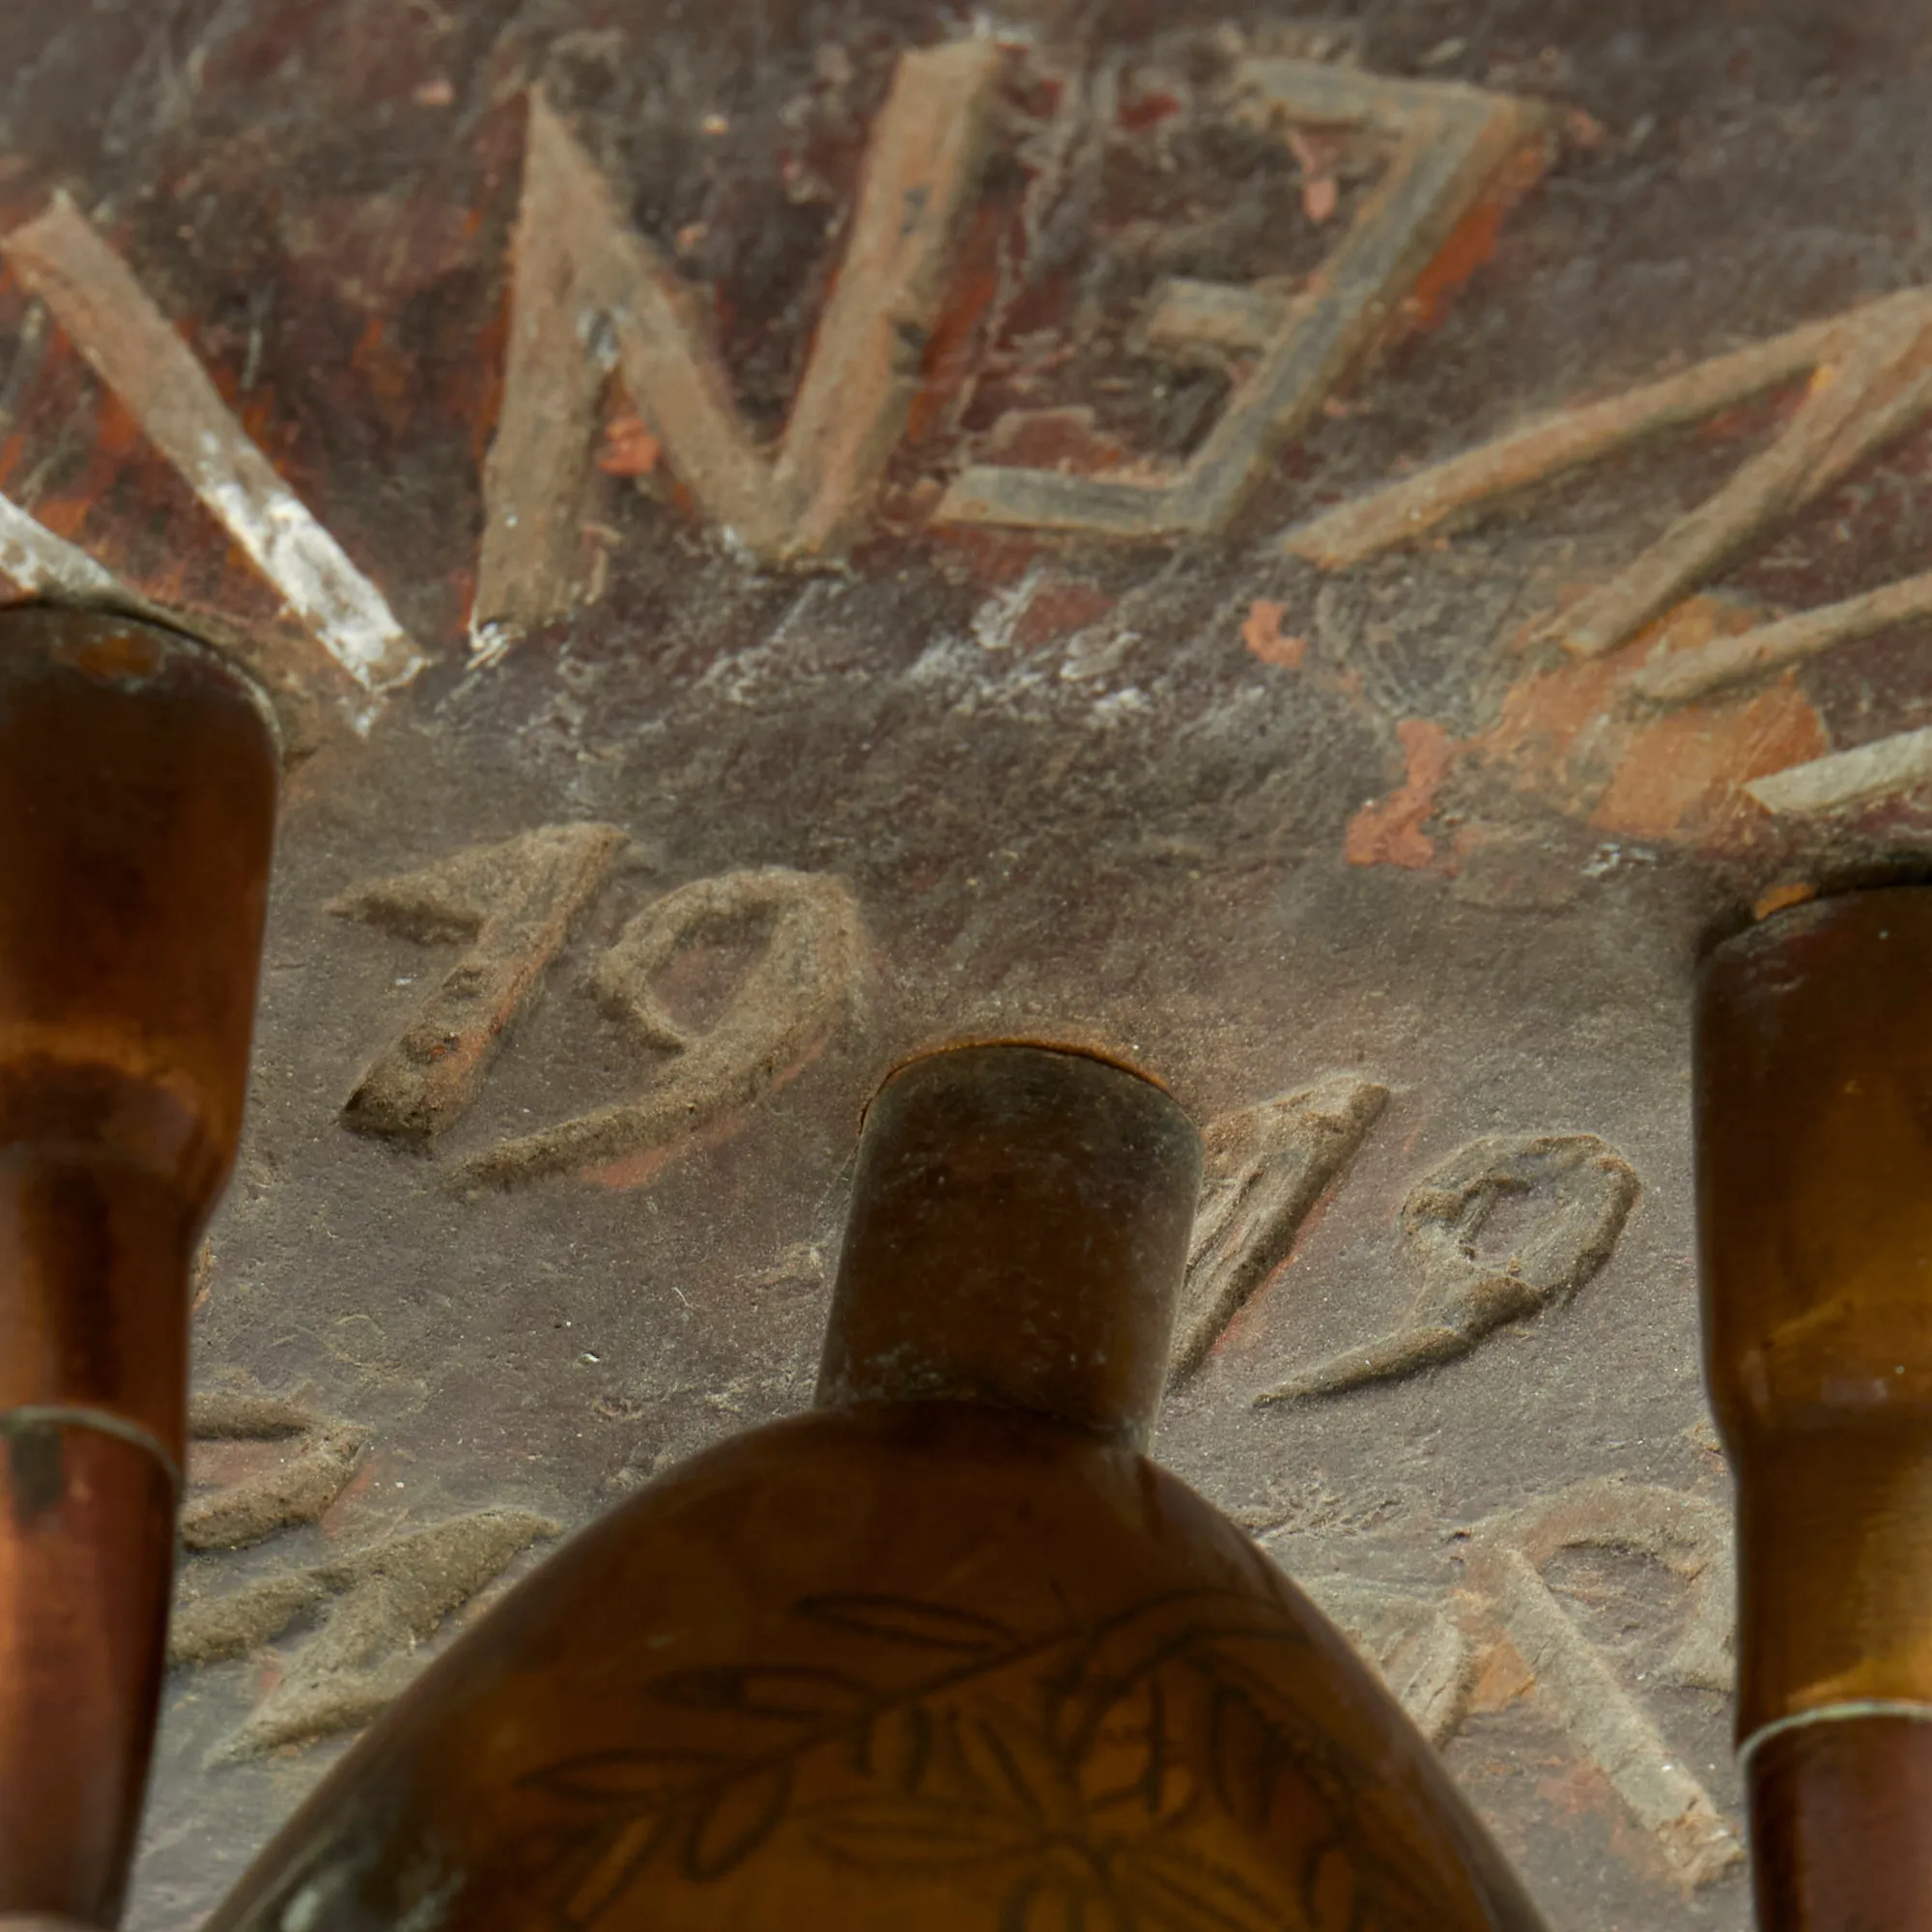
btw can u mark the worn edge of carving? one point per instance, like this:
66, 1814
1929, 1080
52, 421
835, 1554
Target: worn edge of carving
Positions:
1460, 1302
136, 352
1723, 662
1451, 142
1562, 441
1872, 384
1430, 1650
576, 258
1871, 371
518, 902
1686, 1535
378, 1604
1267, 1168
785, 1005
1887, 768
296, 1491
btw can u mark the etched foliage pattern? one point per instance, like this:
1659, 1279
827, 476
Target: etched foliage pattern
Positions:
1102, 1774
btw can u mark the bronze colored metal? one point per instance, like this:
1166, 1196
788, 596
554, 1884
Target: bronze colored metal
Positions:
1814, 1154
1018, 1222
948, 1652
137, 793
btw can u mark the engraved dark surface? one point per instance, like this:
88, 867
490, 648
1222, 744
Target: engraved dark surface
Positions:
1031, 1791
1058, 785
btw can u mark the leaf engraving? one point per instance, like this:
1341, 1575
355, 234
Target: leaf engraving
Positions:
1052, 1899
897, 1747
907, 1833
1242, 1761
787, 1694
634, 1779
1066, 1775
611, 1868
905, 1619
735, 1821
1174, 1889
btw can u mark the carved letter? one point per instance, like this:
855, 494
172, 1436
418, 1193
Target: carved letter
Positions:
309, 1463
1871, 382
1452, 143
380, 1603
517, 901
1688, 1536
138, 355
576, 264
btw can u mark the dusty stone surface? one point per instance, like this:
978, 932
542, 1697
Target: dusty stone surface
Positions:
1251, 822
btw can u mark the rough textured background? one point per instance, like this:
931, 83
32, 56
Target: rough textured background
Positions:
1126, 794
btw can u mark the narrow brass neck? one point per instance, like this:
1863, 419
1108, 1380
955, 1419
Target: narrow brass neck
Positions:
1018, 1235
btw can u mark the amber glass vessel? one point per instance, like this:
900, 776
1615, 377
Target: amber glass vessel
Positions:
949, 1652
137, 796
1814, 1165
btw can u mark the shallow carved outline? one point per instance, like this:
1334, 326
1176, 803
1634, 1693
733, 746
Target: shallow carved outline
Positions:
579, 263
1462, 1299
1689, 1536
1266, 1167
326, 1451
805, 983
1451, 142
1871, 384
373, 1604
1431, 1648
517, 903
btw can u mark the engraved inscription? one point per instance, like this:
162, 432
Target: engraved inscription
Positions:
278, 1463
1870, 374
138, 355
785, 1004
578, 265
1874, 382
1434, 1650
374, 1606
1869, 385
1580, 1191
1689, 1536
1266, 1167
516, 903
261, 1465
1451, 146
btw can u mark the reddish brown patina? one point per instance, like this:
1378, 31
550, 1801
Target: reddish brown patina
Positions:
137, 793
1815, 1197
